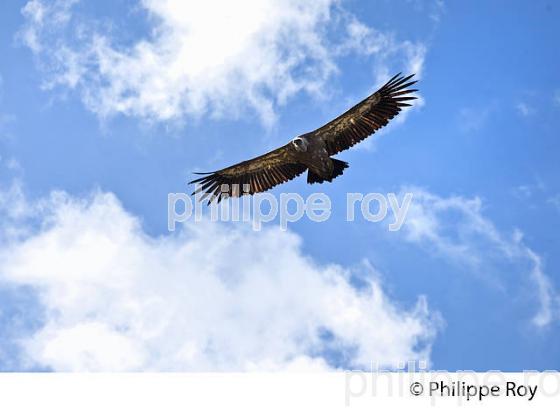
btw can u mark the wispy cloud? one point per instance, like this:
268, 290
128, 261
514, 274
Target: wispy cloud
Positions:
389, 53
213, 57
555, 201
434, 8
365, 40
473, 119
455, 228
524, 109
438, 10
527, 191
210, 298
523, 191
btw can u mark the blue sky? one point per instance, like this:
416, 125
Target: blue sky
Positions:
84, 112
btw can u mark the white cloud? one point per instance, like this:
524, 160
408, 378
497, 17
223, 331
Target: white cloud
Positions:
455, 228
389, 52
44, 16
216, 57
365, 40
549, 298
527, 191
524, 109
210, 298
438, 9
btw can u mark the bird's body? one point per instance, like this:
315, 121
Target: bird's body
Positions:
315, 156
312, 151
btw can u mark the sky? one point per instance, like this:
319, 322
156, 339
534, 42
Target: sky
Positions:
106, 107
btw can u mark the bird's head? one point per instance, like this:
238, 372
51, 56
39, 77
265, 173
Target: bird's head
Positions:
300, 144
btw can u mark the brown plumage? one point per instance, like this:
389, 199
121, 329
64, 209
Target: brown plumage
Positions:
311, 151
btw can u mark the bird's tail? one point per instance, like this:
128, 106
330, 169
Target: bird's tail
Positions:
338, 169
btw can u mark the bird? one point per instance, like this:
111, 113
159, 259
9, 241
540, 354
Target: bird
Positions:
313, 151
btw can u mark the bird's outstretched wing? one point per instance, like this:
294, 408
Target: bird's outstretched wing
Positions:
368, 116
249, 177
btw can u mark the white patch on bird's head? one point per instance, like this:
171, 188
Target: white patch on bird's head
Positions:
300, 144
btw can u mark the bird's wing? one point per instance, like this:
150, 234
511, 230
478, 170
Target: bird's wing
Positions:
368, 116
249, 177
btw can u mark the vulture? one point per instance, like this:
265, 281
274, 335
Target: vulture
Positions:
311, 152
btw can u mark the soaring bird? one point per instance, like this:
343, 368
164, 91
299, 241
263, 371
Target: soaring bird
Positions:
313, 151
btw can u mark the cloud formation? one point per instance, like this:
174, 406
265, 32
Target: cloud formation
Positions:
454, 227
213, 57
524, 109
213, 297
